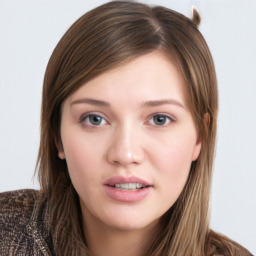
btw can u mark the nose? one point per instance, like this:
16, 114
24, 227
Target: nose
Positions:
126, 147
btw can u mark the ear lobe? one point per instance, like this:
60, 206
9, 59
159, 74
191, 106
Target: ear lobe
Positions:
61, 153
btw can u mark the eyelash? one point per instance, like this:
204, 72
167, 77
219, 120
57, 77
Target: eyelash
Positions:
167, 117
156, 115
87, 116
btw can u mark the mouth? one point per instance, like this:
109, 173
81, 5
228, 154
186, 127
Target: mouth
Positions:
127, 189
127, 183
129, 186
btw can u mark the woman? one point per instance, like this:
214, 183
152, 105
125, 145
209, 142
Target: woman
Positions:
128, 130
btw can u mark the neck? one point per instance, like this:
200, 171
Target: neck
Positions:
103, 240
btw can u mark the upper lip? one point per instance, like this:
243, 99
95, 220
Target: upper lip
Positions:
121, 180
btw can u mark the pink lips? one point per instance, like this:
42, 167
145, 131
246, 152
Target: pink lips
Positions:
126, 195
120, 179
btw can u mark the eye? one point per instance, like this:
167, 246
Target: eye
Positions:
93, 120
160, 120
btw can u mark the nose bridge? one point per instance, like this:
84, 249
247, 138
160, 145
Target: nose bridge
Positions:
126, 147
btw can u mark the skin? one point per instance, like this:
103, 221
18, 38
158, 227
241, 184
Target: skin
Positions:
128, 141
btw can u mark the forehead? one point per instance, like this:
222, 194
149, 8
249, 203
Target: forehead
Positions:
148, 77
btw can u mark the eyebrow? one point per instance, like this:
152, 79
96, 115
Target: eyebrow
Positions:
151, 103
91, 102
155, 103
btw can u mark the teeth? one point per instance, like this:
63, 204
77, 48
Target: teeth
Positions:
129, 186
138, 185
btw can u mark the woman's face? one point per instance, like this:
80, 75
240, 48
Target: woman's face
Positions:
129, 140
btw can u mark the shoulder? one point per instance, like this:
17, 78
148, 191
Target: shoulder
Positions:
16, 209
18, 196
220, 245
17, 204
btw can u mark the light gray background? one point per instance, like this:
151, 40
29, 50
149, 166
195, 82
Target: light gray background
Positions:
29, 31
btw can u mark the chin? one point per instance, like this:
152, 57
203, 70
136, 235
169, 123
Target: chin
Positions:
129, 220
128, 225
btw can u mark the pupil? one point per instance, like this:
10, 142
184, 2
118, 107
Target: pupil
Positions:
95, 119
159, 120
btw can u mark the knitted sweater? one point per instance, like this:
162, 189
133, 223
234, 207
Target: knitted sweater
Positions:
23, 225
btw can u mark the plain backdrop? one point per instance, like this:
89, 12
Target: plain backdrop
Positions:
29, 31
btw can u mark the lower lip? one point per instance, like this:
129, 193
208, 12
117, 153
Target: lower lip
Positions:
126, 195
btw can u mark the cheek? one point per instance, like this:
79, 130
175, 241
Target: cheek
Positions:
175, 166
172, 158
82, 158
173, 153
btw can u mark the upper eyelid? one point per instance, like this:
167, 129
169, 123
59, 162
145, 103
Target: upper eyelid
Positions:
85, 115
163, 114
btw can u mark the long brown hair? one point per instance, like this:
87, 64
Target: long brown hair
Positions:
97, 42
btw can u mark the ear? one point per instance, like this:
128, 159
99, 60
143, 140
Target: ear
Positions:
59, 146
197, 149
